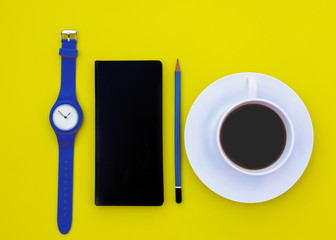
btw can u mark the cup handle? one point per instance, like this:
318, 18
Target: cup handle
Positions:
252, 87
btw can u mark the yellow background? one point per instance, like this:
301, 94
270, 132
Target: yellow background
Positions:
292, 40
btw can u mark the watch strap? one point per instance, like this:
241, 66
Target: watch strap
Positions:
65, 182
68, 53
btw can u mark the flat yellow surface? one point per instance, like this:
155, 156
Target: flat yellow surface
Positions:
292, 40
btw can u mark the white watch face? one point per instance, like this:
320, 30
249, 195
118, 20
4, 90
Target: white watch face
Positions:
65, 117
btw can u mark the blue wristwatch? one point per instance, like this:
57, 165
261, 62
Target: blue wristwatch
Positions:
66, 117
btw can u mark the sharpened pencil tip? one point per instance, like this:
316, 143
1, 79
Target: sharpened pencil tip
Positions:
177, 69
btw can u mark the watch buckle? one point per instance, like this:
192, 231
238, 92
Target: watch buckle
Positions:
68, 33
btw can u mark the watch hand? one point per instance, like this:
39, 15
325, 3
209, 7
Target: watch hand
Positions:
68, 114
60, 113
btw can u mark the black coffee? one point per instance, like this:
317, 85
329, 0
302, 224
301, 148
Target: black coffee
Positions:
253, 136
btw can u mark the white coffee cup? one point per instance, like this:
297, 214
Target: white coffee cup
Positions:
252, 98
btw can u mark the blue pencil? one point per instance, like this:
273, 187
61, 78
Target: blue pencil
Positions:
178, 189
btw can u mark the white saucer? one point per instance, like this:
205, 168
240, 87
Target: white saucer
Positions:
205, 157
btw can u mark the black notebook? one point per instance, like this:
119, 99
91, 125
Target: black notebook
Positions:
129, 133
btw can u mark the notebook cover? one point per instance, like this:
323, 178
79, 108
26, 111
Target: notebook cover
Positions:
129, 133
